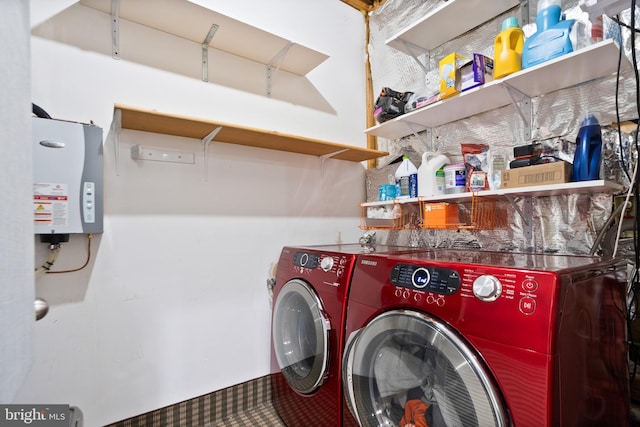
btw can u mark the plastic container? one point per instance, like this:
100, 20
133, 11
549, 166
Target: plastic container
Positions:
507, 49
586, 160
552, 36
455, 179
406, 179
431, 174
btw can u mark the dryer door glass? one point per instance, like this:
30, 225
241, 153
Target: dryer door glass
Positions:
300, 334
407, 368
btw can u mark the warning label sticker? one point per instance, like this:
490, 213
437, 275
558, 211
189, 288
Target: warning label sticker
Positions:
50, 204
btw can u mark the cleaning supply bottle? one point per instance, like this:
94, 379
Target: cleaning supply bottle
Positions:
406, 179
431, 174
507, 49
551, 38
586, 160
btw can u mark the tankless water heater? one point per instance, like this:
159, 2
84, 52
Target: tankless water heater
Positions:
67, 172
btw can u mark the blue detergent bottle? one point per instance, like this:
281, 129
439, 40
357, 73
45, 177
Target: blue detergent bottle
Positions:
586, 160
552, 35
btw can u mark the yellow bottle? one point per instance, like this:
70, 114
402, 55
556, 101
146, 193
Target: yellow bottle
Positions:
507, 49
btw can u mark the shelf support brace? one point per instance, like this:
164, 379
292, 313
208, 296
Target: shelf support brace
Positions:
205, 52
276, 62
427, 140
411, 48
526, 215
116, 125
324, 157
115, 29
206, 141
524, 9
523, 107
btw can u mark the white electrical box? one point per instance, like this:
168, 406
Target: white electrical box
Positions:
67, 177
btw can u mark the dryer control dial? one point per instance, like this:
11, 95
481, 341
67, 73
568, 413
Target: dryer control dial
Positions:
487, 288
326, 264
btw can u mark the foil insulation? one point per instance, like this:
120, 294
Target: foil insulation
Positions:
559, 224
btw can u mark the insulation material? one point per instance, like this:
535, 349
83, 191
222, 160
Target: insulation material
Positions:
562, 224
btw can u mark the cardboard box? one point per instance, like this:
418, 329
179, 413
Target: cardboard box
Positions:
450, 74
545, 174
475, 72
440, 215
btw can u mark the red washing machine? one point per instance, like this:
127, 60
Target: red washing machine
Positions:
484, 339
310, 295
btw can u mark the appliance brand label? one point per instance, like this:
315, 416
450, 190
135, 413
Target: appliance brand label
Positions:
369, 262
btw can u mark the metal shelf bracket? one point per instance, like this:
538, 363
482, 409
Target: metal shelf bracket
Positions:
523, 108
414, 52
205, 142
115, 29
526, 213
424, 135
205, 52
274, 65
116, 125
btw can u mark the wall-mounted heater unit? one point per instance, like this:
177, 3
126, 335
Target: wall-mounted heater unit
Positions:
68, 173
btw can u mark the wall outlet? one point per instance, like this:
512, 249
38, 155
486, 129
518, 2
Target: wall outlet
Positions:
139, 152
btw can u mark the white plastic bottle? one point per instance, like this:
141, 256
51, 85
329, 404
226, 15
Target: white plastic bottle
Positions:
406, 179
431, 174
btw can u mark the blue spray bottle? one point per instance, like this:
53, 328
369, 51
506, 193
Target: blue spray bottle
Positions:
586, 161
552, 35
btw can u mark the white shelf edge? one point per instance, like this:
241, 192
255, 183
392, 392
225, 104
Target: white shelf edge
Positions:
448, 22
534, 191
528, 81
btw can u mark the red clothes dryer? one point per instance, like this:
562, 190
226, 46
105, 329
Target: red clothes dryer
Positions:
484, 339
310, 295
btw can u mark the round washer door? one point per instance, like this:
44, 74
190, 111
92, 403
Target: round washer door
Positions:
405, 367
300, 334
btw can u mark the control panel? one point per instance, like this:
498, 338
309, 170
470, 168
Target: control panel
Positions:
437, 280
306, 260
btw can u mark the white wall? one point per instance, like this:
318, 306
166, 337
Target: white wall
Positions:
16, 229
174, 302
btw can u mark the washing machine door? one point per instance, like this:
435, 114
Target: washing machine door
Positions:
300, 334
405, 367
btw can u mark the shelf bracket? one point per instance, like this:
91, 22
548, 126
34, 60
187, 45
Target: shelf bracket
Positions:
115, 29
526, 213
205, 142
524, 10
116, 125
427, 138
523, 108
205, 52
324, 157
274, 66
412, 49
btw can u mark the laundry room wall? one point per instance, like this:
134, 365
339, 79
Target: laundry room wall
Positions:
173, 303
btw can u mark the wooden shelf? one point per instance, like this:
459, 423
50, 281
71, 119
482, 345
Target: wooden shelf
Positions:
191, 127
586, 64
189, 21
447, 22
581, 187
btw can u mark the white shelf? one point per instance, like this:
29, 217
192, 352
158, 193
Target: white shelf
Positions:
597, 186
586, 64
189, 21
450, 20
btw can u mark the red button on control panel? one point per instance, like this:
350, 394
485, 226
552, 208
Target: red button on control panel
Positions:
530, 285
527, 305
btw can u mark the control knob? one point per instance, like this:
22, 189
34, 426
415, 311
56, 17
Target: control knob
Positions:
326, 264
487, 288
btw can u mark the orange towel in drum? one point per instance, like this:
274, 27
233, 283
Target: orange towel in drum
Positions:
414, 412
